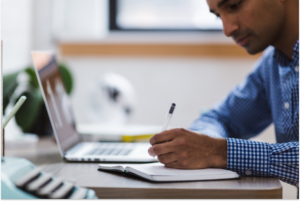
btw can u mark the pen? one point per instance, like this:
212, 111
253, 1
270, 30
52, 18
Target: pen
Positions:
14, 110
168, 117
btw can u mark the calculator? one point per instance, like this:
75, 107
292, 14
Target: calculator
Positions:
20, 179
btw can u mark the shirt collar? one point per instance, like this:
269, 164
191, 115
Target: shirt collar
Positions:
283, 60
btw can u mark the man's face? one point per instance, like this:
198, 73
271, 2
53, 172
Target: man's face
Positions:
253, 24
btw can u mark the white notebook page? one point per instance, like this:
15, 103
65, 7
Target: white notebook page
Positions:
158, 172
160, 169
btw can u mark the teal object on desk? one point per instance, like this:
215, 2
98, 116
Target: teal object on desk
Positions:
20, 179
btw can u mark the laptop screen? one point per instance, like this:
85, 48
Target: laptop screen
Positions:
56, 99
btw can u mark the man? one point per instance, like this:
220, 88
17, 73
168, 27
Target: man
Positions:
269, 94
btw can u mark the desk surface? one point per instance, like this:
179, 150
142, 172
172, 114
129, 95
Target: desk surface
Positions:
116, 185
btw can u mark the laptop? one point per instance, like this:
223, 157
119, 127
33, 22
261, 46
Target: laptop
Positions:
69, 142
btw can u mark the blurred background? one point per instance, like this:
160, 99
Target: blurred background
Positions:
167, 50
164, 50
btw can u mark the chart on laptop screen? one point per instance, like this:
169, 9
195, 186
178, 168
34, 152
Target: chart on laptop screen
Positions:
56, 99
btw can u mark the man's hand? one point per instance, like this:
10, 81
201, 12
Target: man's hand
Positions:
184, 149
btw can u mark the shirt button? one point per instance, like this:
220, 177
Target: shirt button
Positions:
297, 68
248, 172
286, 105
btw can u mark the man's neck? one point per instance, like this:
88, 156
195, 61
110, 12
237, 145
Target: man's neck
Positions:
289, 31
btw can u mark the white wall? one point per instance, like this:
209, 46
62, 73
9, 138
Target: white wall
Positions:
80, 19
192, 83
42, 37
39, 24
57, 20
16, 33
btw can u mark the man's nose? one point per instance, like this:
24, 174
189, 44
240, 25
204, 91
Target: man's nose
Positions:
229, 26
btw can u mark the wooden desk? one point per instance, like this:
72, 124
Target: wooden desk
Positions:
116, 185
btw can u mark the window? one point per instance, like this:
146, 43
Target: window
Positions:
162, 15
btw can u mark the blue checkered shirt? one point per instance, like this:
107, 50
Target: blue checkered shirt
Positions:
270, 94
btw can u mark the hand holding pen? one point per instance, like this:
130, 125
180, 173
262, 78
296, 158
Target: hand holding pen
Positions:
185, 149
167, 120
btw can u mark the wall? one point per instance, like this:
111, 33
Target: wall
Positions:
56, 20
16, 33
192, 83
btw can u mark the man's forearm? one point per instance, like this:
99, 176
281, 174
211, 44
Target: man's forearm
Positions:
220, 155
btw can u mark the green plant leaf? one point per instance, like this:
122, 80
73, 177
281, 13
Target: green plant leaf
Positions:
27, 114
9, 85
66, 78
33, 81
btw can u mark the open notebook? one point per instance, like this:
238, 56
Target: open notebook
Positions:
159, 173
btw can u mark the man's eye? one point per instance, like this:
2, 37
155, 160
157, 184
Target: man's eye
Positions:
234, 6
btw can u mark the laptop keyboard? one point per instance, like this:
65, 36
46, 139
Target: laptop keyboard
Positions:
112, 149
